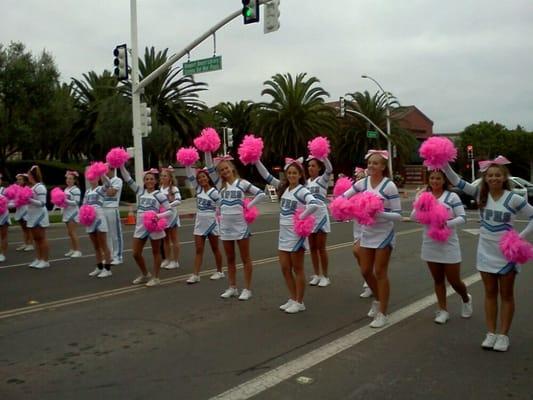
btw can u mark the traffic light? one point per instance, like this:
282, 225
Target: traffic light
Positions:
271, 23
229, 133
146, 120
342, 107
250, 11
470, 152
121, 62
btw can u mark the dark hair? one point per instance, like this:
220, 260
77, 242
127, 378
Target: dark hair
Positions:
285, 183
76, 180
445, 186
321, 166
211, 183
156, 187
484, 189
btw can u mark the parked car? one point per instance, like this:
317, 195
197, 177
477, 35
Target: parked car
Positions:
518, 185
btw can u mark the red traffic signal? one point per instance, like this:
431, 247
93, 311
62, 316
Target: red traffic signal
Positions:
470, 152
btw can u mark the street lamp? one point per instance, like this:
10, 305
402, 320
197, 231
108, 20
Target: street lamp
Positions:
387, 113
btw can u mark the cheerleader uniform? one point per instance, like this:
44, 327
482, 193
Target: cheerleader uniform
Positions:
174, 219
115, 239
381, 233
4, 218
319, 189
21, 213
73, 199
37, 214
95, 197
205, 223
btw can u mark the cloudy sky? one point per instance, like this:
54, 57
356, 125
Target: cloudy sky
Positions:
459, 61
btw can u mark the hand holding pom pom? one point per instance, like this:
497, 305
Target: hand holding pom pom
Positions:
153, 223
366, 207
12, 191
23, 197
250, 149
117, 157
87, 215
437, 152
303, 227
424, 206
187, 156
96, 170
319, 147
341, 186
341, 209
208, 141
250, 213
58, 197
515, 249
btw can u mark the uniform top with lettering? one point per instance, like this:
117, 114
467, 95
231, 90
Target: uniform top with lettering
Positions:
94, 197
148, 201
232, 195
291, 200
113, 201
319, 185
206, 201
73, 195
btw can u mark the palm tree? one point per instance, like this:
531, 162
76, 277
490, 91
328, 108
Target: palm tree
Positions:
296, 114
239, 116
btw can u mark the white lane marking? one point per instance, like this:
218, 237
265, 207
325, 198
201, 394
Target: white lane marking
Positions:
474, 231
286, 371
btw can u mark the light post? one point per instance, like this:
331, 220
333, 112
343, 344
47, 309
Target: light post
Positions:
387, 113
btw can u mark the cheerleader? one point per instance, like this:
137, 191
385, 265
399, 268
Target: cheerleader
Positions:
171, 242
233, 226
319, 173
444, 258
37, 218
291, 247
499, 208
149, 198
71, 212
95, 197
377, 240
115, 238
4, 224
205, 223
20, 216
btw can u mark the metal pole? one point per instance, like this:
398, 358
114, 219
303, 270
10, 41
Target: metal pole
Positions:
224, 140
136, 97
472, 166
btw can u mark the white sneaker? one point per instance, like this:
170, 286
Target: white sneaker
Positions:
193, 279
29, 247
34, 263
502, 343
490, 341
286, 305
42, 264
314, 280
76, 254
366, 293
230, 292
153, 282
295, 307
116, 262
374, 309
324, 281
441, 316
467, 308
21, 247
245, 295
95, 272
142, 279
172, 265
2, 258
380, 321
165, 264
217, 275
106, 273
69, 253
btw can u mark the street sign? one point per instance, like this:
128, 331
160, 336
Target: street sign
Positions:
371, 134
203, 65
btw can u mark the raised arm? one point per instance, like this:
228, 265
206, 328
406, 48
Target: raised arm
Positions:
456, 180
128, 179
267, 176
191, 177
211, 169
324, 178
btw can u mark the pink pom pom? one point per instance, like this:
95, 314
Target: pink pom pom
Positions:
58, 197
341, 186
341, 209
187, 156
153, 223
319, 147
250, 213
23, 197
440, 215
303, 227
439, 233
96, 170
117, 157
515, 249
12, 191
366, 206
3, 204
250, 149
437, 151
87, 214
208, 141
424, 206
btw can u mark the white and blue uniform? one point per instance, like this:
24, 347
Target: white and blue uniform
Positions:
319, 189
73, 200
37, 215
497, 217
95, 198
381, 233
172, 192
115, 239
448, 252
4, 218
21, 213
205, 223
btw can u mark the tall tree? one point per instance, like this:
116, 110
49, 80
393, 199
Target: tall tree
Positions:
239, 116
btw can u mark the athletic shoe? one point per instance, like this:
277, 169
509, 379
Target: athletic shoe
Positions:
217, 275
116, 262
165, 264
2, 258
42, 264
245, 295
76, 254
69, 253
29, 247
380, 321
153, 282
172, 265
366, 293
502, 343
295, 307
142, 279
106, 273
374, 309
96, 272
286, 305
21, 247
467, 309
314, 280
490, 341
193, 279
34, 263
324, 281
441, 317
230, 292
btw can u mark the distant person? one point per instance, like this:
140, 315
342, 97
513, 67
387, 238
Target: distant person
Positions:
21, 213
71, 212
171, 242
115, 238
4, 224
37, 218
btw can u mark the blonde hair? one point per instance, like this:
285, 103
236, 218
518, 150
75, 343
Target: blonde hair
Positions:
35, 173
224, 182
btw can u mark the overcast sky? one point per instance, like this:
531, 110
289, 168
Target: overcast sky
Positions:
459, 61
